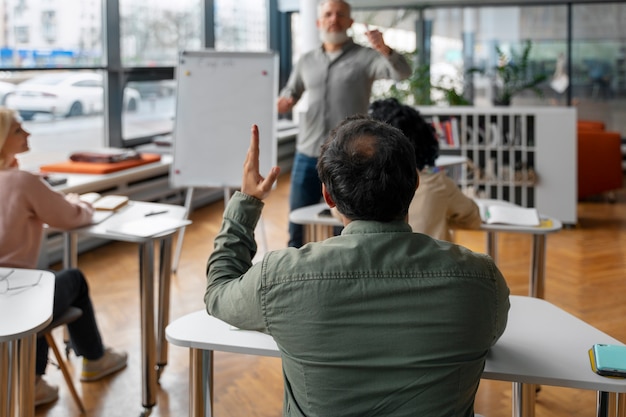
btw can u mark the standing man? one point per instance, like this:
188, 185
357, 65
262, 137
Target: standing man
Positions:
338, 77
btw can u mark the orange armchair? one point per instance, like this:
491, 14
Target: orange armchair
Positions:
599, 162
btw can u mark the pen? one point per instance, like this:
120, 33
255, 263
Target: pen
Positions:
154, 213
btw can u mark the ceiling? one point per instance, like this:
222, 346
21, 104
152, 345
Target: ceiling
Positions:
293, 5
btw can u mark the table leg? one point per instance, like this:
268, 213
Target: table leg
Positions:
492, 246
26, 375
523, 400
610, 404
70, 250
538, 267
148, 340
163, 307
5, 378
200, 383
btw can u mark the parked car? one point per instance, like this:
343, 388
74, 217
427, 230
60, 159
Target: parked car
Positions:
64, 94
5, 89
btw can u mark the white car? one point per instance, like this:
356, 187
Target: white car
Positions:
64, 94
5, 89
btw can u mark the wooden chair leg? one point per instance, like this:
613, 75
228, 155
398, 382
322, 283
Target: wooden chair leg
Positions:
66, 374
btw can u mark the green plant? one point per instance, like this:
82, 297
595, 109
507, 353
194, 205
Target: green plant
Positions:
511, 75
416, 90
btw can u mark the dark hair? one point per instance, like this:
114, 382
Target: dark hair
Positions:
412, 124
368, 168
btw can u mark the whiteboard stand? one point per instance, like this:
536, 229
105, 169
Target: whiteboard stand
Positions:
181, 233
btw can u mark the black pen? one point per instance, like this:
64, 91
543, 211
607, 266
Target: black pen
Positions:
154, 213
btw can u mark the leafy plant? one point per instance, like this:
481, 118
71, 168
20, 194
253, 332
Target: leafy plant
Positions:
416, 90
511, 75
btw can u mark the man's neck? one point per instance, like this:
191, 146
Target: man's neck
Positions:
333, 47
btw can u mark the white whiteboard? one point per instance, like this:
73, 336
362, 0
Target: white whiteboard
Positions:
220, 96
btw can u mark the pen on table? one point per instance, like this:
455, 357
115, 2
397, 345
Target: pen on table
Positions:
154, 213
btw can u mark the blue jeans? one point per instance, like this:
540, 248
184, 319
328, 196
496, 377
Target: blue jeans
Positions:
70, 289
306, 190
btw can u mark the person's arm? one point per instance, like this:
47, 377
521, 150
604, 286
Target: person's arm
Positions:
463, 213
55, 208
394, 66
291, 93
503, 303
233, 290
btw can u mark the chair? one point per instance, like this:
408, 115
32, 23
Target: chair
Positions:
70, 315
599, 162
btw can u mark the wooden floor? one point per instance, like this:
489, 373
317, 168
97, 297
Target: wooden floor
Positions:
586, 275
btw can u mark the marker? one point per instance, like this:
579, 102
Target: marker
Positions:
154, 213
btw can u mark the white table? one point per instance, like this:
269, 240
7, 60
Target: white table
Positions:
542, 344
24, 312
154, 347
536, 284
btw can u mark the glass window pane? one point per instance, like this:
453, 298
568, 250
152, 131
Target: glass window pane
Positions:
599, 63
153, 32
63, 111
150, 108
240, 25
44, 34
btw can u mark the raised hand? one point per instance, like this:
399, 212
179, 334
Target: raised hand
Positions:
253, 183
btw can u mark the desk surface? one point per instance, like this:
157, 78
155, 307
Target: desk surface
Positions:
133, 211
25, 311
548, 225
309, 215
542, 344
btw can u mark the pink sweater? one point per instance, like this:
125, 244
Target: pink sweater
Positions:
27, 202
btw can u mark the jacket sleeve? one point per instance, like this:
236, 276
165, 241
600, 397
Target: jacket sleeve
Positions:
233, 287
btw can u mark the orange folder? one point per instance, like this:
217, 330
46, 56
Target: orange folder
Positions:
99, 168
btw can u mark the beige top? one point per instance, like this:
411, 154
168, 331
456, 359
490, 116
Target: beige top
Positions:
439, 206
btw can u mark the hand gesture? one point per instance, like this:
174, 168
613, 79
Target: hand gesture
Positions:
284, 104
375, 38
253, 183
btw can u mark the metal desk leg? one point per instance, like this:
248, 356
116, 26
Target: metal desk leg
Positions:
610, 404
200, 383
26, 375
163, 307
70, 250
538, 267
523, 400
492, 246
4, 379
148, 341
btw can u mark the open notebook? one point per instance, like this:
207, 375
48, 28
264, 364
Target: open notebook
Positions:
502, 212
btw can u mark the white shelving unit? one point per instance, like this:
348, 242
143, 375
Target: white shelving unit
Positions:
524, 155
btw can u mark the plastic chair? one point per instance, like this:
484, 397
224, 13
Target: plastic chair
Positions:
70, 315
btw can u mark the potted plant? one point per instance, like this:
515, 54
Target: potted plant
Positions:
511, 75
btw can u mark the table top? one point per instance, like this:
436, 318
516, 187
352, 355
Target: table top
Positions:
27, 310
310, 215
542, 344
548, 224
136, 211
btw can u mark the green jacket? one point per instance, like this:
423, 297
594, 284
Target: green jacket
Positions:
379, 321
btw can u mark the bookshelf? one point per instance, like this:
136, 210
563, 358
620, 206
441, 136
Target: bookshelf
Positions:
524, 155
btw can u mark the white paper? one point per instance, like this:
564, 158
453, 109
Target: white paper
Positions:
149, 226
514, 215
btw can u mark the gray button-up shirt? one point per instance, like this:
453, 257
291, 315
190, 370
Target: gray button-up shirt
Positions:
338, 88
379, 321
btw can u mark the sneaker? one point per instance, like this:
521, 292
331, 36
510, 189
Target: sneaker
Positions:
110, 362
44, 392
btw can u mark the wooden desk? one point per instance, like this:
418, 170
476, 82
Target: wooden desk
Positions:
24, 312
542, 344
154, 348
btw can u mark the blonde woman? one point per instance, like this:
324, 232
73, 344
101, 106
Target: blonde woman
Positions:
28, 203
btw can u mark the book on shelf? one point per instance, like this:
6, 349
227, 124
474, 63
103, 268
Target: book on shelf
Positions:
106, 202
506, 213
